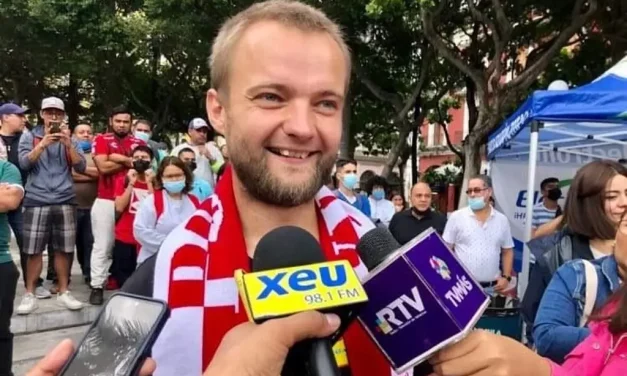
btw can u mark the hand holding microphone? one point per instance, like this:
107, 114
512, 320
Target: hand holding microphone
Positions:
260, 350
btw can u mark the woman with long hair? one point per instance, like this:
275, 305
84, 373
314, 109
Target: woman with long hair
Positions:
170, 205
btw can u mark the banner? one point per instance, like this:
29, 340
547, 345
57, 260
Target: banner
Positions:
509, 179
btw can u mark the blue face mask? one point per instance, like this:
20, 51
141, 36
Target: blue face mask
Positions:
350, 180
143, 136
378, 194
476, 203
85, 146
174, 186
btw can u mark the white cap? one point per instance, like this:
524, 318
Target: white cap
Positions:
52, 102
198, 123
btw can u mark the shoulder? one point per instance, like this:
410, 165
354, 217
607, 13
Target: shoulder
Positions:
142, 280
355, 213
458, 215
500, 216
571, 268
133, 142
102, 137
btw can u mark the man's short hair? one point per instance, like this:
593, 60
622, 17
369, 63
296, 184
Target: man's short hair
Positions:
186, 150
143, 121
487, 181
145, 149
285, 12
376, 181
548, 181
343, 162
120, 110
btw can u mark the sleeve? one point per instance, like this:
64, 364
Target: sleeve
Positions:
202, 189
450, 231
100, 147
393, 224
144, 227
11, 175
217, 155
507, 241
80, 166
24, 148
366, 205
141, 282
535, 219
388, 213
119, 186
556, 330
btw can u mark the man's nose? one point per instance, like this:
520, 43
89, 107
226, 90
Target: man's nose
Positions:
301, 121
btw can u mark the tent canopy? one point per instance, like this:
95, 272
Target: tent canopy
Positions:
588, 116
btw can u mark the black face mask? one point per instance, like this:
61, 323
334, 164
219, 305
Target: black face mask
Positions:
554, 194
421, 213
192, 166
141, 166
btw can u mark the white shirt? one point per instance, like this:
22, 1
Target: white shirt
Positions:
382, 210
478, 245
203, 167
150, 233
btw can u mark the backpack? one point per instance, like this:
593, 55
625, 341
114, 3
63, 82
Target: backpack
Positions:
37, 140
159, 202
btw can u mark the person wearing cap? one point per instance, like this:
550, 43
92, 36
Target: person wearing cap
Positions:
49, 155
112, 155
208, 156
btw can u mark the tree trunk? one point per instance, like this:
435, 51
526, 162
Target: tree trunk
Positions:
414, 156
398, 149
472, 165
73, 102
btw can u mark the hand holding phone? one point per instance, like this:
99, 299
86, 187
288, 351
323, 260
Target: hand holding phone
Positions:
120, 339
55, 127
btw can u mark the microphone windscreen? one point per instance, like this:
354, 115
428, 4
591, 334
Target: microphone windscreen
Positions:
285, 247
375, 246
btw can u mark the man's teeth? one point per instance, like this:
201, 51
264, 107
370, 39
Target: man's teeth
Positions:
293, 154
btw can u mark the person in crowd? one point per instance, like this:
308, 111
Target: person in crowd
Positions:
142, 129
399, 201
593, 208
170, 205
112, 156
130, 191
408, 224
547, 209
49, 156
279, 76
381, 209
86, 188
200, 188
346, 173
225, 155
12, 125
481, 237
11, 193
558, 324
208, 156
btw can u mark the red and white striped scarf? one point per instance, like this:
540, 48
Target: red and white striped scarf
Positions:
194, 274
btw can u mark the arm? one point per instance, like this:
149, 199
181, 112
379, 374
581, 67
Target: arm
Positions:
144, 227
556, 329
29, 155
90, 174
366, 205
450, 233
122, 195
547, 228
507, 250
121, 159
105, 166
11, 191
388, 214
76, 157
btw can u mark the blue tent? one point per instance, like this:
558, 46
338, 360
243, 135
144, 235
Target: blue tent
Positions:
568, 121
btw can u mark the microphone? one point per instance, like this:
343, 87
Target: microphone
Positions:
290, 275
421, 298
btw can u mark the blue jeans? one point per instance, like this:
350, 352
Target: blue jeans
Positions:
84, 240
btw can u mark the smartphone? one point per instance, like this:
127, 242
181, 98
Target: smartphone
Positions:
55, 127
120, 339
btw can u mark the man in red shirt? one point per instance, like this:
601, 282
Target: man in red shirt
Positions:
112, 156
130, 191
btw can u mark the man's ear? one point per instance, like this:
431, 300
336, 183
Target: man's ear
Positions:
216, 112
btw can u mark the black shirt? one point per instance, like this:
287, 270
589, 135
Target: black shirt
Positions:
11, 143
406, 225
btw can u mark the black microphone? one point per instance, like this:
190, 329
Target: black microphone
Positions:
374, 248
287, 247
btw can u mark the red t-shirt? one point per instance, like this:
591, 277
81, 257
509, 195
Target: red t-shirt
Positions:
124, 225
109, 143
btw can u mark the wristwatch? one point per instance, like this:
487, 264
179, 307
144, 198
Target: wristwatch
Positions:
507, 277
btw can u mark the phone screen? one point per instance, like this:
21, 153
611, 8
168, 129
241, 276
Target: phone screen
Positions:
113, 343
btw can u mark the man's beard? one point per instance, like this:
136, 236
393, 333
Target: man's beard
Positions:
261, 184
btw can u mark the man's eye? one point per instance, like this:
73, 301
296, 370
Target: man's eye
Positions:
328, 104
271, 97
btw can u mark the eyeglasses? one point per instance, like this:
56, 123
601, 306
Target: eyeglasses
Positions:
475, 190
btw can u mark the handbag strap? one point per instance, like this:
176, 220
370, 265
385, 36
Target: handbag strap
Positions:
591, 291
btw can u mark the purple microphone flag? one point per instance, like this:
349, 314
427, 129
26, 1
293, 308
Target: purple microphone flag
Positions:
420, 300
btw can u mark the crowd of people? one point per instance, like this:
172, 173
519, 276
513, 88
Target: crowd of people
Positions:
146, 222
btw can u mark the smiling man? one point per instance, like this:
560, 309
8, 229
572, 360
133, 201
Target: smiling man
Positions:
279, 73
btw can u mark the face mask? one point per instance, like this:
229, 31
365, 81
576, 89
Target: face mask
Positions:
143, 136
378, 194
192, 166
174, 186
420, 213
350, 180
85, 146
555, 194
141, 166
476, 203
